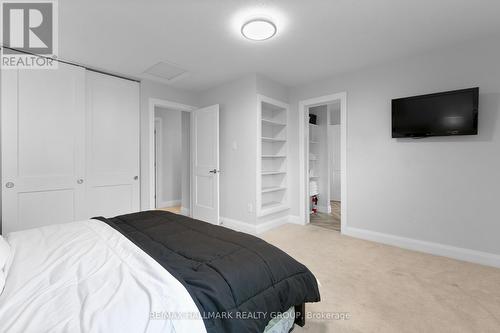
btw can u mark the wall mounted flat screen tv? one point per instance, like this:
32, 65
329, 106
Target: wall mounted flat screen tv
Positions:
441, 114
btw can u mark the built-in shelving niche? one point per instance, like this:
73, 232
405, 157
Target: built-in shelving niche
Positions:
272, 191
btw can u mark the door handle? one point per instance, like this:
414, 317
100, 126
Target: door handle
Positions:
214, 171
9, 185
79, 181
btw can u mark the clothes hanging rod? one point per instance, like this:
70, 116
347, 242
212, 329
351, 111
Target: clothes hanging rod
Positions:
75, 64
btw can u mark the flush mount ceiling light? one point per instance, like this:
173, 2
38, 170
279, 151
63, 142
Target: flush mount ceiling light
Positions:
258, 29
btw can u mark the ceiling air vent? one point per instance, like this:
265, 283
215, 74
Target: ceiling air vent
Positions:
165, 72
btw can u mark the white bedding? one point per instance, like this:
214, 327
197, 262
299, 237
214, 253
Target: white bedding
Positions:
4, 259
87, 277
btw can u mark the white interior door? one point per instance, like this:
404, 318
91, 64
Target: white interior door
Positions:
205, 159
42, 146
112, 144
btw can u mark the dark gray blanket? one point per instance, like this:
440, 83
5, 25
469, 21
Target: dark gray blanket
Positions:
237, 281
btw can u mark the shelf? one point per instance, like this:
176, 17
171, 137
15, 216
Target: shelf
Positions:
271, 204
272, 189
311, 177
313, 142
313, 125
267, 173
272, 122
272, 139
272, 195
273, 156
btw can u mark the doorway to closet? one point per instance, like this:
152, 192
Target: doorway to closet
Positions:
323, 161
172, 160
324, 165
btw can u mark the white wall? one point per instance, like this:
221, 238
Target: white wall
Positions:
150, 90
272, 89
170, 166
443, 190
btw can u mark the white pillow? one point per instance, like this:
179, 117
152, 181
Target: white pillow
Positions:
4, 257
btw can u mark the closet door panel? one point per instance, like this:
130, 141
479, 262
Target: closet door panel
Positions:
111, 200
42, 146
112, 145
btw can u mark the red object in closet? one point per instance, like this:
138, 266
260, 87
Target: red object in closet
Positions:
314, 200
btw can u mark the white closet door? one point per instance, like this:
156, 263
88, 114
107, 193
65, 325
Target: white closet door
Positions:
112, 144
42, 146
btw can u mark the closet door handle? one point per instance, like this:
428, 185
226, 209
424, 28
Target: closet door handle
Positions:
214, 171
136, 177
79, 181
9, 185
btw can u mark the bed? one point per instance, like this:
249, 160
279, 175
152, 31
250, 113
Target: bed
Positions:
152, 271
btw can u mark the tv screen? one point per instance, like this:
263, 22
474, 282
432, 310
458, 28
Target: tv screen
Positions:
441, 114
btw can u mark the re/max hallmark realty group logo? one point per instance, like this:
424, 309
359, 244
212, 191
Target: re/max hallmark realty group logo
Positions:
29, 34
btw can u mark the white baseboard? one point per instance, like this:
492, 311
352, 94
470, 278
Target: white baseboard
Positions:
449, 251
170, 203
238, 225
185, 211
266, 226
253, 229
294, 219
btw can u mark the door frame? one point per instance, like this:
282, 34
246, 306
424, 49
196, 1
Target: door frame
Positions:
162, 103
158, 130
304, 155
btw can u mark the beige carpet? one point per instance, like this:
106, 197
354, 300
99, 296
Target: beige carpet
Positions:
387, 289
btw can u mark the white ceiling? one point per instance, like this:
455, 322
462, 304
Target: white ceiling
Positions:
316, 38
